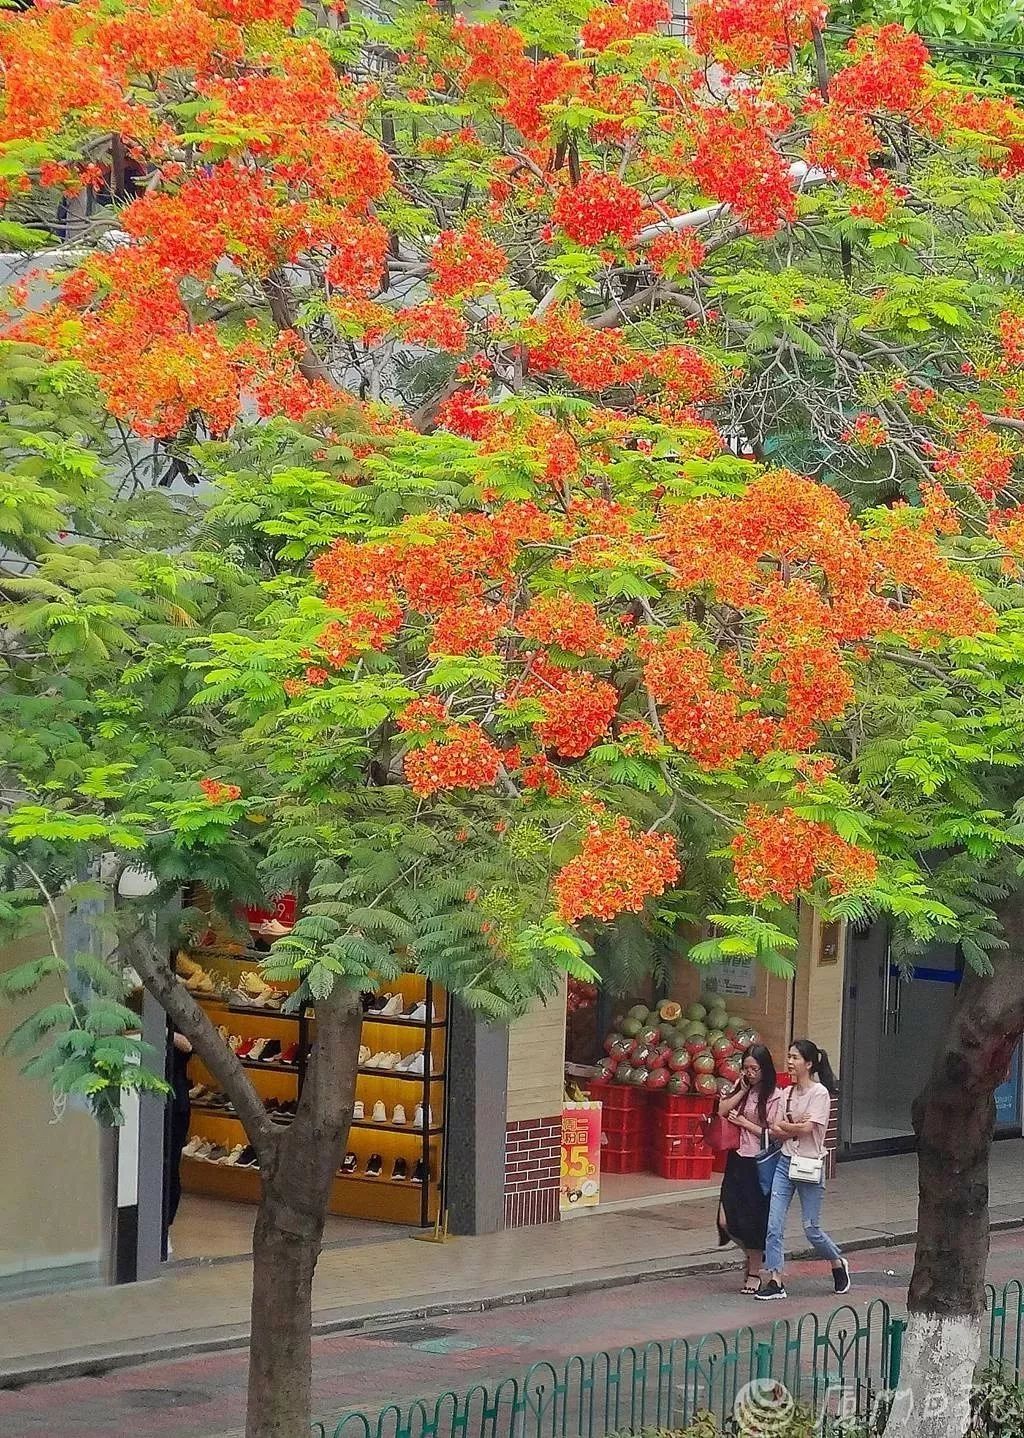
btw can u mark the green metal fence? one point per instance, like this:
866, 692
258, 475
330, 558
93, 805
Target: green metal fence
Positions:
664, 1385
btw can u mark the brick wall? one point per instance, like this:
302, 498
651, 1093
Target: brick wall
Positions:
533, 1149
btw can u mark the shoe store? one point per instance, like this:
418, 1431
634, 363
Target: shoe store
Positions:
392, 1173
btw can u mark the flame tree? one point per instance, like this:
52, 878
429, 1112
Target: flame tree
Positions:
371, 531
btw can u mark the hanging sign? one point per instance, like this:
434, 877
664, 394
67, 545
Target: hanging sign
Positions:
730, 977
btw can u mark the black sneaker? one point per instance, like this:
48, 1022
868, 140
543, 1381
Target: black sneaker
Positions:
419, 1173
374, 1166
350, 1164
401, 1169
248, 1158
771, 1289
841, 1277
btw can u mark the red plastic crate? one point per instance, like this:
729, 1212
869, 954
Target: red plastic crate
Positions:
615, 1160
675, 1104
683, 1167
678, 1125
674, 1146
618, 1097
625, 1124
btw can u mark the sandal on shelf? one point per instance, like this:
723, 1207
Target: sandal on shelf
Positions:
751, 1284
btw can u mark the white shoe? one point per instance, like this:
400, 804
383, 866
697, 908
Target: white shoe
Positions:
418, 1014
395, 1004
380, 1113
358, 1114
399, 1114
374, 1061
364, 1055
416, 1065
405, 1064
417, 1118
234, 1155
389, 1060
193, 1145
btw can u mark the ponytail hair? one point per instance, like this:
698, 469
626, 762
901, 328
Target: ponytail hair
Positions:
821, 1069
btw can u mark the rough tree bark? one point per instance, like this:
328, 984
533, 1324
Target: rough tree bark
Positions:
298, 1172
954, 1119
297, 1168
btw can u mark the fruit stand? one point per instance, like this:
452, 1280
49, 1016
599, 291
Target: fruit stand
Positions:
663, 1070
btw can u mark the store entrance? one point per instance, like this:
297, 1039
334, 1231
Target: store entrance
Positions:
893, 1024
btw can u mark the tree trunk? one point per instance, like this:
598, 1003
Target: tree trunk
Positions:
954, 1119
298, 1172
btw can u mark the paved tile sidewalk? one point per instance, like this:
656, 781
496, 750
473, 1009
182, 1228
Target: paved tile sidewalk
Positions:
205, 1307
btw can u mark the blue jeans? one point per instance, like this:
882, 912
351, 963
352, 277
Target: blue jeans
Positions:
811, 1197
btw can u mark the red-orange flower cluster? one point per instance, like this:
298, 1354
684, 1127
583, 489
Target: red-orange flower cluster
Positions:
616, 871
464, 759
218, 793
781, 854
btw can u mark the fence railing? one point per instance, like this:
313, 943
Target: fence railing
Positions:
665, 1384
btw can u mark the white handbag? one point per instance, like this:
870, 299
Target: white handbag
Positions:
806, 1170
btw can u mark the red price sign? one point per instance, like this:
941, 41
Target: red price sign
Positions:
581, 1156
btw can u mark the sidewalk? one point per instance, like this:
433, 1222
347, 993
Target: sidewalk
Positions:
205, 1307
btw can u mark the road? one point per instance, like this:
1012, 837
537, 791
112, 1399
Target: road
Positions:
203, 1397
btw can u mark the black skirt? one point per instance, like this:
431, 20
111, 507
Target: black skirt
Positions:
742, 1204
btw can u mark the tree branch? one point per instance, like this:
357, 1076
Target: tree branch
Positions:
192, 1020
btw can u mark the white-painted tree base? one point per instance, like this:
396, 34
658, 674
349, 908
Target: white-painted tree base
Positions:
939, 1359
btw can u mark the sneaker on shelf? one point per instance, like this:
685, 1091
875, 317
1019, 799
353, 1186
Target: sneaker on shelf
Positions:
394, 1004
285, 1111
415, 1064
374, 1166
417, 1120
253, 986
405, 1064
380, 1113
770, 1290
349, 1164
231, 1160
373, 1062
289, 1055
389, 1060
364, 1055
217, 1153
235, 1042
256, 1051
272, 1053
419, 1173
399, 1114
197, 1092
418, 1013
274, 929
193, 1146
248, 1158
400, 1170
245, 1048
358, 1112
376, 1003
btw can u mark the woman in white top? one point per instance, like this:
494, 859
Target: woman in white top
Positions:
799, 1122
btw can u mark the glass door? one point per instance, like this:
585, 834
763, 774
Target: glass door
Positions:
893, 1024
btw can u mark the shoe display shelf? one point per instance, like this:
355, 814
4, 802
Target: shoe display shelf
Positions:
359, 1194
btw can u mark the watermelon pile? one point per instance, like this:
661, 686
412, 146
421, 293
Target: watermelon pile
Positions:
664, 1048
